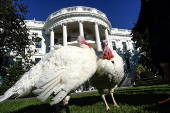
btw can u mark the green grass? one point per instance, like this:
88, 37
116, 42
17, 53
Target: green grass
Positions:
141, 99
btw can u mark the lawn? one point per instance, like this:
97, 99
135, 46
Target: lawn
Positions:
141, 99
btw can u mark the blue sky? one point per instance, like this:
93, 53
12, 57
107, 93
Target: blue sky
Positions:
121, 13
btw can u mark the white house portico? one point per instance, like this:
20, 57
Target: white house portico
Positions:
67, 23
63, 26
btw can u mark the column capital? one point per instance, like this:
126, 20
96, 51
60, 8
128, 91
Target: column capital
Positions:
80, 21
64, 24
104, 28
96, 23
51, 29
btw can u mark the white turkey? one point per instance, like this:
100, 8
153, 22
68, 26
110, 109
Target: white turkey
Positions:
110, 71
61, 71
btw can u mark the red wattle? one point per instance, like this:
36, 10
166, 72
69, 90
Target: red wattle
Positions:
87, 44
107, 53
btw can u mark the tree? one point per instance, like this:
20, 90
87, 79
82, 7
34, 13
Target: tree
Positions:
14, 36
142, 43
14, 73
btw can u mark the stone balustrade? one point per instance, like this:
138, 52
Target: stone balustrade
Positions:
78, 9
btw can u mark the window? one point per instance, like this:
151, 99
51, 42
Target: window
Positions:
124, 46
114, 45
37, 60
19, 60
38, 44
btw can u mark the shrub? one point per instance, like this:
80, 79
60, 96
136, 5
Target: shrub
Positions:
139, 69
146, 74
141, 72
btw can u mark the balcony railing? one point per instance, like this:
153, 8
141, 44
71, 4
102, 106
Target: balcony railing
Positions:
75, 9
72, 39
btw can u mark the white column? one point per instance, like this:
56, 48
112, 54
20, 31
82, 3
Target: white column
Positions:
110, 42
81, 31
107, 38
97, 37
51, 39
127, 44
64, 34
43, 46
130, 45
119, 44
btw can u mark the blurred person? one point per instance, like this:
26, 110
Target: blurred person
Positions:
154, 15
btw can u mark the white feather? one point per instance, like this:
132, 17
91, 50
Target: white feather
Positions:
60, 71
108, 74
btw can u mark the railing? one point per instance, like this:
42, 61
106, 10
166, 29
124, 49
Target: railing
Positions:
87, 9
72, 39
75, 9
71, 9
57, 13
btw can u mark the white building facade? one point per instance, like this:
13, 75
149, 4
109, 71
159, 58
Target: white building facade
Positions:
63, 26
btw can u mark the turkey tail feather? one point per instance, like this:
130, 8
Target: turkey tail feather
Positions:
60, 96
24, 85
47, 84
7, 94
49, 77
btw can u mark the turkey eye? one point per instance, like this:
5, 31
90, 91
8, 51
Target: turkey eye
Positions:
112, 62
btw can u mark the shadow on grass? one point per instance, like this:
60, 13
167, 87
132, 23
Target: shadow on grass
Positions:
160, 108
150, 100
43, 108
85, 101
